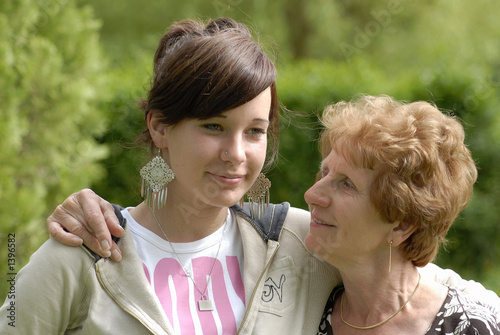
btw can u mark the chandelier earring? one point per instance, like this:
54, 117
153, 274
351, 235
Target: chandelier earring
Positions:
258, 195
155, 177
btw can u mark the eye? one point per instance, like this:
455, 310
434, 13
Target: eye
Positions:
257, 131
212, 127
323, 172
347, 183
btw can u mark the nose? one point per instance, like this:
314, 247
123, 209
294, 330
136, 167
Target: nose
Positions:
316, 195
233, 150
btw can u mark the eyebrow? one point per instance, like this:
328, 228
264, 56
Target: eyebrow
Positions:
341, 171
222, 116
261, 119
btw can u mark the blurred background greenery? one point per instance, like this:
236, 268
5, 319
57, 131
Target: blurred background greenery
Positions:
71, 72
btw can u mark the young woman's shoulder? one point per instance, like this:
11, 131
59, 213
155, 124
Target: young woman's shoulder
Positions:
52, 286
297, 220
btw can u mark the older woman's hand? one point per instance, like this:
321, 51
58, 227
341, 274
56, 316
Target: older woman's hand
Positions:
84, 217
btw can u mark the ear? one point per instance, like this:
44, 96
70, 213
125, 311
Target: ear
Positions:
157, 129
400, 232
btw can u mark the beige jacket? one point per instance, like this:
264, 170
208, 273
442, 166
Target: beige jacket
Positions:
64, 291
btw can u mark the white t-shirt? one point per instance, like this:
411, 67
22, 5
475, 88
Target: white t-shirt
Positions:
176, 291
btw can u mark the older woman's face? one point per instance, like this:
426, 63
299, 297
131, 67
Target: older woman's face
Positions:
345, 228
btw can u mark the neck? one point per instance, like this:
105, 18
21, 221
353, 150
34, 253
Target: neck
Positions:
180, 223
372, 297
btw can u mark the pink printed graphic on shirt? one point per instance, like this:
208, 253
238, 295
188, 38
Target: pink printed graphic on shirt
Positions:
165, 268
169, 267
201, 269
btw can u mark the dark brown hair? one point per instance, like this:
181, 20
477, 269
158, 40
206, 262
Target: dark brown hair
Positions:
201, 70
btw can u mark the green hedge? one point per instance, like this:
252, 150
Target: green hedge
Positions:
51, 77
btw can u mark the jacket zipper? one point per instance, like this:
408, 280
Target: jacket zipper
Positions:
116, 301
255, 289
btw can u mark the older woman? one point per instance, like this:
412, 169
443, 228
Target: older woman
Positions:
393, 179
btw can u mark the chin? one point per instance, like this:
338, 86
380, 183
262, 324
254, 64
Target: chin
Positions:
318, 245
311, 242
224, 200
214, 195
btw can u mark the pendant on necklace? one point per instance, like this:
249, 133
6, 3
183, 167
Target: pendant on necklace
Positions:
205, 305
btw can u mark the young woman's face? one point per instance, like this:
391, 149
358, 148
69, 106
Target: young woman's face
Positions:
345, 227
217, 160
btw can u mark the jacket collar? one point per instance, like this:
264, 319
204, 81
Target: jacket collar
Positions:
126, 283
258, 255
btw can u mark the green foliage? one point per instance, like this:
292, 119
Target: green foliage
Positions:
439, 51
126, 157
53, 108
50, 77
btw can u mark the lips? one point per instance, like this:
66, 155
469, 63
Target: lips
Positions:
319, 222
315, 222
229, 179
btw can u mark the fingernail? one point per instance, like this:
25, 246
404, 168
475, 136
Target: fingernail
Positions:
77, 240
105, 245
116, 255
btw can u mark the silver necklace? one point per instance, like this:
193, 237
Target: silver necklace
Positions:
204, 304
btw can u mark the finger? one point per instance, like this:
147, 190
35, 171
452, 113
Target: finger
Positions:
62, 221
91, 241
74, 232
94, 209
112, 221
116, 254
114, 227
63, 236
71, 216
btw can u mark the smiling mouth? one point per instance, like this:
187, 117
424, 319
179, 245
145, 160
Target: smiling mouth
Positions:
227, 179
321, 223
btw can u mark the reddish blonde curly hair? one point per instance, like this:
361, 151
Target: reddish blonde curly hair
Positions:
425, 171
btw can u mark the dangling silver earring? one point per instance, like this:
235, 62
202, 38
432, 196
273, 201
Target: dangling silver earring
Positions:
259, 194
155, 177
390, 255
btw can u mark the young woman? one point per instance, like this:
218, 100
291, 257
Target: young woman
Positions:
192, 264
